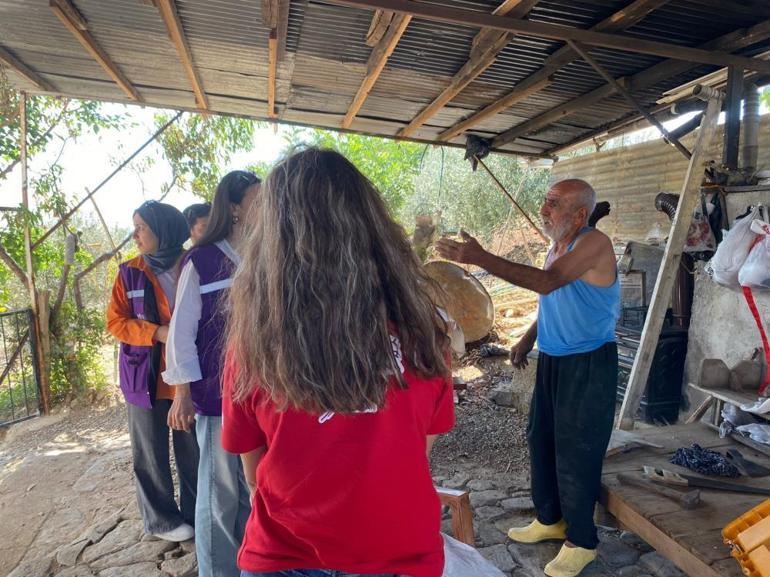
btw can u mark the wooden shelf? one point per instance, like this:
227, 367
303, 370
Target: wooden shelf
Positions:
729, 396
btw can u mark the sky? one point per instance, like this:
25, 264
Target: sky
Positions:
91, 158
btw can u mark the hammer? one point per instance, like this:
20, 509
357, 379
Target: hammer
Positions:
688, 500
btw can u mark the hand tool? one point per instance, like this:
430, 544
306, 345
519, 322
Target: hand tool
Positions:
749, 468
671, 478
688, 500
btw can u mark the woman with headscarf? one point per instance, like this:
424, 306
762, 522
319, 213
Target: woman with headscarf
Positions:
195, 342
138, 316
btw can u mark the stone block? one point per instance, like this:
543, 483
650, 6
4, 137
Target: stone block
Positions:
499, 556
491, 497
658, 566
144, 551
137, 570
186, 566
488, 513
518, 504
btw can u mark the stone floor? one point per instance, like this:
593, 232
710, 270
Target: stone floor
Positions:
68, 510
498, 505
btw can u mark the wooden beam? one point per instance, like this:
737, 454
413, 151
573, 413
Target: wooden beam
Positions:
486, 45
379, 26
11, 61
374, 67
629, 97
272, 71
649, 77
170, 15
688, 201
438, 13
523, 90
63, 9
620, 20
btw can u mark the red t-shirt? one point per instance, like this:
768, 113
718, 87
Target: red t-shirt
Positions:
346, 492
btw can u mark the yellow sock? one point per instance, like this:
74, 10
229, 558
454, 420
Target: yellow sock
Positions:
570, 561
536, 532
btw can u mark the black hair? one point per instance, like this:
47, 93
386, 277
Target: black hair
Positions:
195, 211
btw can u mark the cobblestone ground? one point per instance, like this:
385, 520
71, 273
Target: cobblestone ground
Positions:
68, 510
498, 505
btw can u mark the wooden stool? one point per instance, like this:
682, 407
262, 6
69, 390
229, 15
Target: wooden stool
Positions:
459, 504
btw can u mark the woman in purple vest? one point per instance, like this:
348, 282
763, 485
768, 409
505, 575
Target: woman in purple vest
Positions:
194, 365
138, 316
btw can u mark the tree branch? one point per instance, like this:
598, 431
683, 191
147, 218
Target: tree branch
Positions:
15, 268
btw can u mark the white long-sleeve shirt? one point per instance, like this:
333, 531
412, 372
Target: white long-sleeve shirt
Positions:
182, 364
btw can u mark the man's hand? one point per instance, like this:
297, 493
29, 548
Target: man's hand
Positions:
469, 251
181, 415
161, 334
519, 353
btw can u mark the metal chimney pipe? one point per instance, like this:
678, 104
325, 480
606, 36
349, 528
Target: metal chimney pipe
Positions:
750, 129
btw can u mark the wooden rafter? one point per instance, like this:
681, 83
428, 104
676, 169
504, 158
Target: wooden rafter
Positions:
170, 15
376, 63
735, 40
619, 88
620, 20
11, 61
275, 15
78, 26
487, 44
437, 13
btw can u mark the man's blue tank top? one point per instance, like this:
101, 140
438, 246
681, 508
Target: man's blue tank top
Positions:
578, 317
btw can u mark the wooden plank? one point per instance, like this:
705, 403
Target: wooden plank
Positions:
62, 10
272, 51
727, 395
689, 199
462, 17
485, 47
381, 20
699, 411
459, 504
647, 530
624, 18
170, 15
646, 78
377, 60
11, 61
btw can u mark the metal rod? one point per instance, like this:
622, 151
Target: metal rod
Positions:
120, 167
513, 200
629, 97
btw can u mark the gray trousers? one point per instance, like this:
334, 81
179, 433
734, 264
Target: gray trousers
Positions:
149, 434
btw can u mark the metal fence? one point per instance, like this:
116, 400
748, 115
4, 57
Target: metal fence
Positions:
19, 379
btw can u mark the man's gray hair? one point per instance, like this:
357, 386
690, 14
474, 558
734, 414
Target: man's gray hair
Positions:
583, 194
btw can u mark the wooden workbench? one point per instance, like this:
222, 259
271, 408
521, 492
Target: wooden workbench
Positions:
690, 539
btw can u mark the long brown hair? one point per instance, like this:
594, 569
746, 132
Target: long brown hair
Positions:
230, 190
327, 277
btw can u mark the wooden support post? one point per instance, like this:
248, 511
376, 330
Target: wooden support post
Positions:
459, 504
577, 47
699, 411
732, 135
40, 359
688, 201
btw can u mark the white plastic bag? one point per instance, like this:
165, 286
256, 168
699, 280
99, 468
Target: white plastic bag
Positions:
755, 272
461, 560
700, 237
733, 250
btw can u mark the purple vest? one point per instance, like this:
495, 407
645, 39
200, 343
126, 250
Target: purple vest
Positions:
139, 365
215, 270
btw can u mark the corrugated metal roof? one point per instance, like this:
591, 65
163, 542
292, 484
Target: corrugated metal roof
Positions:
326, 58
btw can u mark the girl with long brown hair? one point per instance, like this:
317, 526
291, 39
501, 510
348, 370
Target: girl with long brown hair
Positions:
336, 382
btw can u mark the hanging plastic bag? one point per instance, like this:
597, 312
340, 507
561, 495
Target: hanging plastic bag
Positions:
700, 237
755, 272
733, 251
461, 560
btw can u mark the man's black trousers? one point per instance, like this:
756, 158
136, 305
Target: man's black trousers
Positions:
570, 423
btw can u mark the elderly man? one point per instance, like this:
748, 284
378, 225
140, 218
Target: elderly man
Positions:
573, 403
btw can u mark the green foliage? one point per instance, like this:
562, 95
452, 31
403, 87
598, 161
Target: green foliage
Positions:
76, 352
197, 147
391, 165
459, 198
